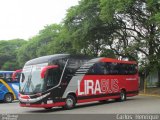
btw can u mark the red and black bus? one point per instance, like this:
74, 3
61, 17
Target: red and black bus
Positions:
65, 80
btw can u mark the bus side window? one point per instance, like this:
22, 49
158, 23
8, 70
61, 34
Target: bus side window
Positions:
98, 69
72, 66
52, 77
114, 68
107, 66
1, 76
111, 68
132, 69
128, 69
8, 77
61, 63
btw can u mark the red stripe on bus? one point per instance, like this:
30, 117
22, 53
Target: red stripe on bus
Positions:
43, 105
117, 61
97, 99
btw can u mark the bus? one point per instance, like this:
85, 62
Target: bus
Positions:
65, 80
9, 88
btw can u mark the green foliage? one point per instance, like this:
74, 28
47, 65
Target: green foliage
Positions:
108, 9
112, 28
108, 53
8, 53
39, 44
10, 65
138, 35
86, 29
52, 39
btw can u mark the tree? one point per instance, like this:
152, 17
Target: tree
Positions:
138, 31
87, 30
52, 39
8, 53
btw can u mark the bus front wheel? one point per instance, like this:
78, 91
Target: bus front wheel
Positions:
8, 98
70, 102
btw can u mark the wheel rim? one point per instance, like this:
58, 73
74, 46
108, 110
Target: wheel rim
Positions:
69, 102
8, 98
122, 96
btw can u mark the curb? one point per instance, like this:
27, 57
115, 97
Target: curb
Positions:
150, 95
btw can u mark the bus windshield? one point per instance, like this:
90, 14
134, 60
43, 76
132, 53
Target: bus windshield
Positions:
31, 81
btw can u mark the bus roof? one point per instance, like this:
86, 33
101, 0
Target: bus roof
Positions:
6, 71
48, 58
45, 59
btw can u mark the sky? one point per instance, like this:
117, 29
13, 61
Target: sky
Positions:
24, 18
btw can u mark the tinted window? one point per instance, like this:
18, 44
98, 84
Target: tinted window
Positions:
8, 77
52, 78
60, 62
121, 69
74, 64
1, 75
112, 69
97, 69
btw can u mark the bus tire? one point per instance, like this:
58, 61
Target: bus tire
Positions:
8, 98
122, 96
70, 102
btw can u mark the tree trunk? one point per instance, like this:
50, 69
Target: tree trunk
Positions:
158, 77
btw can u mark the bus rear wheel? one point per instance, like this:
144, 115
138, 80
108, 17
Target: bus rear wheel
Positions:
122, 96
70, 102
8, 98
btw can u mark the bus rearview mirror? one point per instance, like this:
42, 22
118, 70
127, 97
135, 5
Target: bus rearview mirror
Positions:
44, 70
15, 73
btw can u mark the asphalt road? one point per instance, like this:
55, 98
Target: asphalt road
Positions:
137, 105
